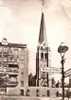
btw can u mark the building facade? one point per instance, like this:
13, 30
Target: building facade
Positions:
42, 57
13, 67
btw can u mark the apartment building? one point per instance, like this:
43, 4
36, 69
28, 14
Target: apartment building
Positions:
13, 68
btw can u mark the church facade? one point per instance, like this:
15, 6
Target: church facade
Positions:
42, 57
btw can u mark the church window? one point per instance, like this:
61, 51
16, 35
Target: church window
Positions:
46, 55
41, 55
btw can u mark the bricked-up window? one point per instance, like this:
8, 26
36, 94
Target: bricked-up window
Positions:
22, 83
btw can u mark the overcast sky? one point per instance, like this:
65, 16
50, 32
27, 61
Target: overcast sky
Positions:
20, 22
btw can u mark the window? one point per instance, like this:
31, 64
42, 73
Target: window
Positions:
46, 57
47, 80
13, 79
57, 94
43, 75
41, 55
22, 83
48, 93
28, 92
37, 92
22, 92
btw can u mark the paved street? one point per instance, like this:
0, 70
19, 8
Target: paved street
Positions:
29, 98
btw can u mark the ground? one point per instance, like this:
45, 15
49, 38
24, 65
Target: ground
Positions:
29, 98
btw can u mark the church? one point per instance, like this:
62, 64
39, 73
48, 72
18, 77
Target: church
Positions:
42, 57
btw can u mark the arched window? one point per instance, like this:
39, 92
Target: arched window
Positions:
42, 55
46, 57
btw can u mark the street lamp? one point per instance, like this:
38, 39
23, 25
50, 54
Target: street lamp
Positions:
62, 49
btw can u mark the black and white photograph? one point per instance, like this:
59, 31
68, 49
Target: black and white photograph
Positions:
35, 49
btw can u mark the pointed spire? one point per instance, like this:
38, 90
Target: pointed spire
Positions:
42, 34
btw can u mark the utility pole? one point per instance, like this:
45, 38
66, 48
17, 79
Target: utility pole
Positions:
63, 77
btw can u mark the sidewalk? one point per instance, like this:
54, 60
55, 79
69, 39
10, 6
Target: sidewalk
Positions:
2, 97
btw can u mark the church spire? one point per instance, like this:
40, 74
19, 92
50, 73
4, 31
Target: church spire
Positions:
42, 33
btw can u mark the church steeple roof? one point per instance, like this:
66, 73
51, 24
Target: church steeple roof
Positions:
42, 33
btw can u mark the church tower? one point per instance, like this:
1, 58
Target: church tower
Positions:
42, 57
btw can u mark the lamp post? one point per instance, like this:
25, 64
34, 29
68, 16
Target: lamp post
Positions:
62, 49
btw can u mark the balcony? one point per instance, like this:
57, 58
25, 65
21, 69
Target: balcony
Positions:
12, 61
8, 81
12, 82
2, 72
13, 71
5, 54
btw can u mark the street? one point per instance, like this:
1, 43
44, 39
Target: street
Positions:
30, 98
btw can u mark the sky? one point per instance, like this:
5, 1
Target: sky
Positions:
20, 23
